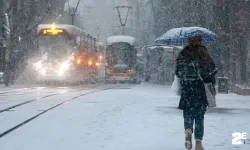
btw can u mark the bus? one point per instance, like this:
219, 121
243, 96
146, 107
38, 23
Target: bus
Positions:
65, 53
121, 59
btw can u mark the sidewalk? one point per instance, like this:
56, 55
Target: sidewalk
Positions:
232, 114
241, 90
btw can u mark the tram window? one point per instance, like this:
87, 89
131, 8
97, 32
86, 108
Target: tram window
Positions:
48, 40
56, 44
120, 70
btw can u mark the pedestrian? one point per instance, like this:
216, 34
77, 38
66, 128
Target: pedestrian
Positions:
194, 60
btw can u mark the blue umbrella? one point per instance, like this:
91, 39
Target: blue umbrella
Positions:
179, 36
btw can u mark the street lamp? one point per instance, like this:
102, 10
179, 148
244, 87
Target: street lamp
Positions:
123, 19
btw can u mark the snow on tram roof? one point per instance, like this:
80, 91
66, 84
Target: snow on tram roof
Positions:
121, 38
70, 28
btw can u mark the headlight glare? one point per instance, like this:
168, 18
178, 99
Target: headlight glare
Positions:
65, 65
43, 72
60, 72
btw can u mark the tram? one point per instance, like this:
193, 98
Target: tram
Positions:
120, 59
66, 53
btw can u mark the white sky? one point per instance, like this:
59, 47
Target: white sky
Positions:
99, 15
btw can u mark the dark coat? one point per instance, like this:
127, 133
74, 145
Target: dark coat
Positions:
193, 94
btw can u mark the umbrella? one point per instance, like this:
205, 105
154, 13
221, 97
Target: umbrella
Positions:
179, 36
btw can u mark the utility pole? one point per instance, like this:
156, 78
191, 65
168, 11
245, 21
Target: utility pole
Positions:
115, 29
123, 21
74, 12
98, 32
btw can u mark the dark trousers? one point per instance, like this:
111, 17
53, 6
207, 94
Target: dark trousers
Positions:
194, 115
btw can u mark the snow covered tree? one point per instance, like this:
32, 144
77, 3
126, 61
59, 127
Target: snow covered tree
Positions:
25, 15
228, 19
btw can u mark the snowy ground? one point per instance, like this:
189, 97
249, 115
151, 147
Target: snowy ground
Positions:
115, 117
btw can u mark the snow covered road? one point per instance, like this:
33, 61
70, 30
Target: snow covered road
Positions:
119, 117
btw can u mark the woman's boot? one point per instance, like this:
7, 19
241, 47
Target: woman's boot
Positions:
198, 145
188, 139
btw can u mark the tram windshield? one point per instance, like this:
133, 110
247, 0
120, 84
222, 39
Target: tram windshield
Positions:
55, 45
121, 53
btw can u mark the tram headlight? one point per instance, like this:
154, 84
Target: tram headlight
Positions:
130, 71
97, 64
38, 65
90, 63
78, 61
65, 65
43, 72
60, 72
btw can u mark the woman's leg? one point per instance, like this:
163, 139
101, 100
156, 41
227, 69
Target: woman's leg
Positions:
199, 130
188, 125
199, 125
188, 119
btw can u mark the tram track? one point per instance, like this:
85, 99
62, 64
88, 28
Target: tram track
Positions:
36, 99
16, 90
26, 102
47, 110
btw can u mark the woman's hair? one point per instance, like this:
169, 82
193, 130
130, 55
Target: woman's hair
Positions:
197, 52
195, 40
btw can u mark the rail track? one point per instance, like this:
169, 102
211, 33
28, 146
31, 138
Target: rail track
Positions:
44, 111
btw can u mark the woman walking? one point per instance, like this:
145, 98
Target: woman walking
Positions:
193, 62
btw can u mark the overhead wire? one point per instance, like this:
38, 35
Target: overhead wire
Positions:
98, 25
91, 14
